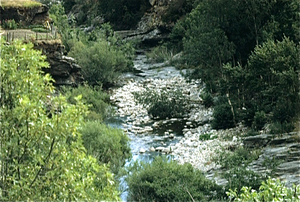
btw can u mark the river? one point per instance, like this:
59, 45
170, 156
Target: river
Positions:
150, 138
179, 137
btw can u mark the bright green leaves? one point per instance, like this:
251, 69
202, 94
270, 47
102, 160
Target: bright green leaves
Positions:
108, 145
42, 156
271, 190
101, 61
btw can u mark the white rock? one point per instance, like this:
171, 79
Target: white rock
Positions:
159, 149
142, 150
171, 135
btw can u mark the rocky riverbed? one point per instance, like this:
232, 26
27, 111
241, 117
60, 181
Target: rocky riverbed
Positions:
180, 137
184, 144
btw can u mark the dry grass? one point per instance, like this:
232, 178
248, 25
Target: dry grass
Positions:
19, 3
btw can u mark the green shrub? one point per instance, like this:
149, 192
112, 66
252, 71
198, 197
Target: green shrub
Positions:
207, 136
101, 62
271, 190
237, 174
164, 103
279, 128
108, 145
260, 119
207, 98
238, 177
223, 117
9, 24
41, 164
96, 100
160, 54
164, 180
241, 155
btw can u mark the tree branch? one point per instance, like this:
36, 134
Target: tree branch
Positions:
47, 158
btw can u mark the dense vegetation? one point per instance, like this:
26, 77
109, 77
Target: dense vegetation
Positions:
163, 103
164, 180
108, 145
123, 14
247, 54
101, 55
42, 155
57, 147
271, 190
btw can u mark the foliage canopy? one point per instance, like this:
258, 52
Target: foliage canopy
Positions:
42, 156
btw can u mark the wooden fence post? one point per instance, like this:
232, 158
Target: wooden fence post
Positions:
13, 36
36, 36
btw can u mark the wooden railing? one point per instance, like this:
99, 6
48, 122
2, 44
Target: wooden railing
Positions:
11, 35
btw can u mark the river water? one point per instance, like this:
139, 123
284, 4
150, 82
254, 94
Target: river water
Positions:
139, 127
179, 137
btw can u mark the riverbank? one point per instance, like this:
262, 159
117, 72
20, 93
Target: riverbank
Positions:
185, 145
189, 139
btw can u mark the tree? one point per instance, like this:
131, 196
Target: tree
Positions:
120, 13
206, 46
272, 82
42, 156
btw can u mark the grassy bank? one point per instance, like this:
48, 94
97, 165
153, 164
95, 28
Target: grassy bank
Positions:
19, 3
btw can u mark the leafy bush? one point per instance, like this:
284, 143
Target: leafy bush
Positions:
9, 24
101, 63
207, 136
223, 117
160, 54
271, 190
102, 56
279, 128
38, 161
238, 177
108, 145
260, 119
207, 98
164, 103
164, 180
240, 156
236, 163
96, 100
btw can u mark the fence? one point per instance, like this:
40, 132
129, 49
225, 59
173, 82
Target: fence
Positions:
29, 35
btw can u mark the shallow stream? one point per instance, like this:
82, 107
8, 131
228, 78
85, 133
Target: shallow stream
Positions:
143, 143
179, 137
